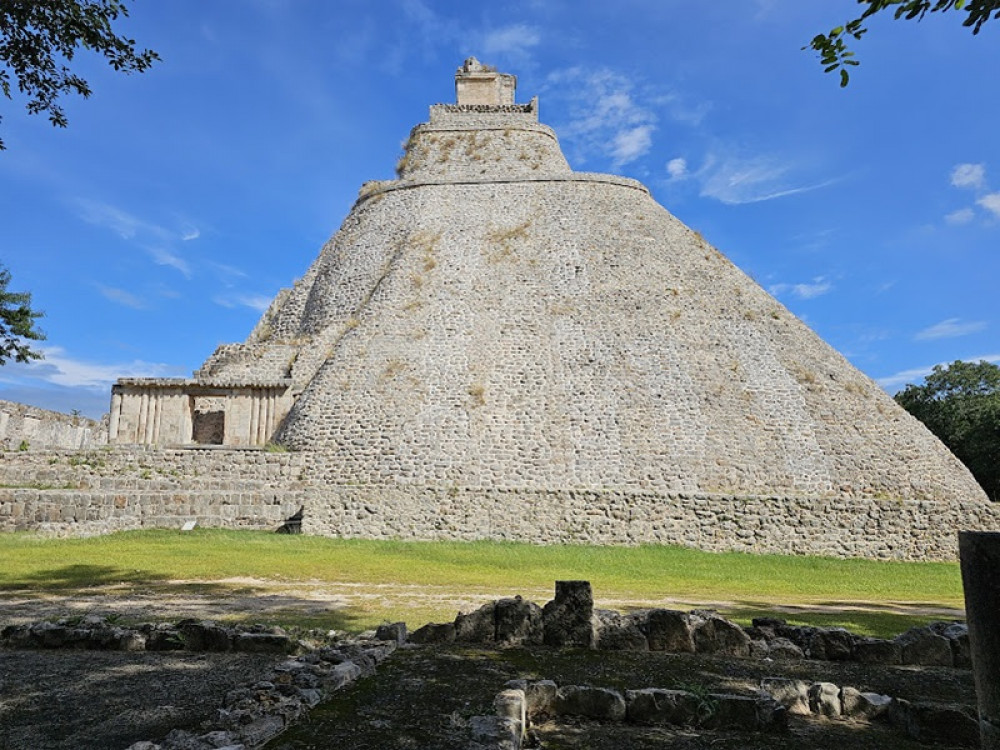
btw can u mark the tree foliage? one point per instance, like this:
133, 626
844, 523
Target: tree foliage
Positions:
960, 404
17, 323
39, 37
835, 55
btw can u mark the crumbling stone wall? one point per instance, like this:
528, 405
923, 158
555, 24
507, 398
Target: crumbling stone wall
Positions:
36, 428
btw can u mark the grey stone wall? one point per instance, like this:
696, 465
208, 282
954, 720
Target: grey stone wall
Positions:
256, 490
855, 527
83, 493
40, 428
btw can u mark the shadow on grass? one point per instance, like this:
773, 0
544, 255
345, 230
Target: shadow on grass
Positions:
140, 596
72, 577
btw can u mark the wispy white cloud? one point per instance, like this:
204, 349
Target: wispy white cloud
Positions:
163, 257
969, 176
677, 168
895, 381
61, 369
949, 329
816, 288
153, 238
961, 216
513, 42
122, 223
991, 203
735, 180
629, 145
257, 302
605, 116
122, 297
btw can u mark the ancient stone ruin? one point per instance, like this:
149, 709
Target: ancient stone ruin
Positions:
496, 346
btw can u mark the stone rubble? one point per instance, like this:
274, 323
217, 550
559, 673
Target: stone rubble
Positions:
251, 716
312, 671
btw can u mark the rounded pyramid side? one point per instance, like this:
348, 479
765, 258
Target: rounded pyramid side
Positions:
570, 333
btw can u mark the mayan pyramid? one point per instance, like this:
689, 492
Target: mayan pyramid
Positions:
494, 322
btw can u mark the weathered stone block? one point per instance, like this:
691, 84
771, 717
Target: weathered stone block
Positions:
924, 647
567, 619
792, 694
668, 630
478, 626
510, 704
716, 635
434, 633
394, 632
270, 643
831, 644
783, 649
657, 706
601, 704
877, 651
204, 636
615, 632
856, 704
744, 713
824, 699
518, 622
952, 725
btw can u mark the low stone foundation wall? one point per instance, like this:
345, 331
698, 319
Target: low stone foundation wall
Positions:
109, 489
843, 527
91, 513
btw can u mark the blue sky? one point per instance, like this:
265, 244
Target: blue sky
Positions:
178, 202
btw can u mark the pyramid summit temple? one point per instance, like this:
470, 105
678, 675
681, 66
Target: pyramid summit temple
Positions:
496, 346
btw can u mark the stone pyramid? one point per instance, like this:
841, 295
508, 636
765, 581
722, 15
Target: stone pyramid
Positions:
494, 322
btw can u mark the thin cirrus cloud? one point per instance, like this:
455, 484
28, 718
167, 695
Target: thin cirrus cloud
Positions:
122, 297
807, 290
895, 381
515, 42
961, 216
949, 329
606, 117
257, 302
153, 238
738, 180
59, 368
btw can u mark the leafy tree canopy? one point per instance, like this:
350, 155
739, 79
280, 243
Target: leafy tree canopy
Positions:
960, 404
39, 37
17, 323
833, 51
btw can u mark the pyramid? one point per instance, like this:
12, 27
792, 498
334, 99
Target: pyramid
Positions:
493, 324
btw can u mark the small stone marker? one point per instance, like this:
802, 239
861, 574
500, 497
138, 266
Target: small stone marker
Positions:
189, 525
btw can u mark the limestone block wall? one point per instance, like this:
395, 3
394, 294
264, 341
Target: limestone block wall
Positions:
40, 428
507, 150
148, 467
74, 493
84, 493
93, 512
855, 527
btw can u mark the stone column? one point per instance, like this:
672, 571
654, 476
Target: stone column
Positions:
980, 555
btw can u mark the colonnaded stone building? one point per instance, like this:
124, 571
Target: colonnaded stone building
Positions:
496, 346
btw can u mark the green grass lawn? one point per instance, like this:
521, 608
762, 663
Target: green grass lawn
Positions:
853, 593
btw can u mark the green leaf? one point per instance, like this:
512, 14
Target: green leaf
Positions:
843, 77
